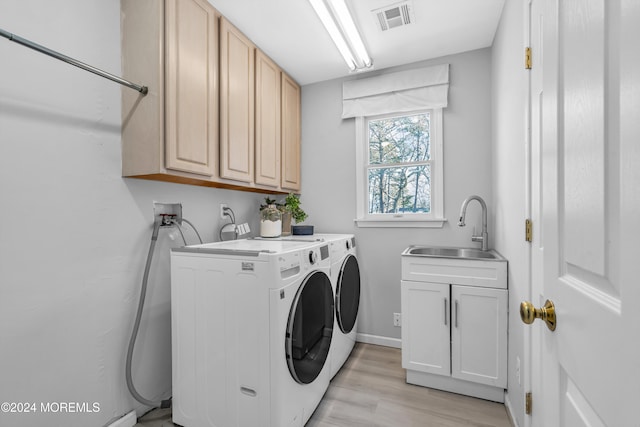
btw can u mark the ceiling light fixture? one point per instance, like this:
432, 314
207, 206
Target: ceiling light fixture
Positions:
336, 18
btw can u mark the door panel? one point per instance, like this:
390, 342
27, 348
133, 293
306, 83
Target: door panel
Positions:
479, 335
426, 333
588, 363
348, 294
192, 97
237, 103
268, 135
290, 134
309, 328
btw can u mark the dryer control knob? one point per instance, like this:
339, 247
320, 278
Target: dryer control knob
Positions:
348, 244
313, 257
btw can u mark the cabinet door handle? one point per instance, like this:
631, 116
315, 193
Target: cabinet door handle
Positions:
445, 311
456, 315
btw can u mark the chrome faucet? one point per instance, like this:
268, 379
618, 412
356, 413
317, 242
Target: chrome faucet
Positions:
484, 238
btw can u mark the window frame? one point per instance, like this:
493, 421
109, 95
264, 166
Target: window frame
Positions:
433, 219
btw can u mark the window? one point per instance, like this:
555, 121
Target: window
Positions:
400, 170
398, 117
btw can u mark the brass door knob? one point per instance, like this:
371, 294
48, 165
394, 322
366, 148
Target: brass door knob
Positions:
528, 313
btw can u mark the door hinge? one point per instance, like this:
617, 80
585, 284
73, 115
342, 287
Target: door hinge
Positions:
527, 58
528, 230
528, 401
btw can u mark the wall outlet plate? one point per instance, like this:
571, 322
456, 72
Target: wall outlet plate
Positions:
397, 319
222, 212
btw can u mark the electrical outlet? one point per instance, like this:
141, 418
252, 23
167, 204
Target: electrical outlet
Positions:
222, 213
161, 211
397, 319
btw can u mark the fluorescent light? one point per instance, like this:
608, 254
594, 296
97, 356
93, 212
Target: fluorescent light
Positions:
338, 22
352, 34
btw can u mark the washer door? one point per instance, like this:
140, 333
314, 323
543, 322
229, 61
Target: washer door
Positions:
309, 328
348, 294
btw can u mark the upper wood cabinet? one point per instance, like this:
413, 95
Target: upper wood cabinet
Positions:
172, 47
218, 113
191, 85
259, 116
290, 134
268, 124
237, 100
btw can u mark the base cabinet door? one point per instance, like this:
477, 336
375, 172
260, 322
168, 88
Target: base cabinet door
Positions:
426, 327
479, 335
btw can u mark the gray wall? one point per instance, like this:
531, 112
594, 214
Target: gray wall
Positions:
509, 184
74, 235
329, 189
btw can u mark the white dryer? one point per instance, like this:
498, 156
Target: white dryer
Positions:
252, 324
345, 278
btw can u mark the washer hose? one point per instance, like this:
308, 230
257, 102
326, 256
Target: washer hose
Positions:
134, 333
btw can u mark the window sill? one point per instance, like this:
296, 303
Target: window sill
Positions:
400, 223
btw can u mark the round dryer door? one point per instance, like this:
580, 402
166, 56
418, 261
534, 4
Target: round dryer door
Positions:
309, 328
348, 294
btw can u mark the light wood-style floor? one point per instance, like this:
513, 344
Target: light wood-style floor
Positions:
370, 390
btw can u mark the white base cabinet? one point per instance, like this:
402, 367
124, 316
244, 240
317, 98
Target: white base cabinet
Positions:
454, 336
426, 334
479, 335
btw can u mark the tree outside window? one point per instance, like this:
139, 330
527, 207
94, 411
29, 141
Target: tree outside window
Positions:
399, 166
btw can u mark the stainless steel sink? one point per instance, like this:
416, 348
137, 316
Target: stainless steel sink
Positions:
457, 253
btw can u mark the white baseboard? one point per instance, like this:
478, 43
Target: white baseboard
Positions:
507, 405
128, 420
378, 340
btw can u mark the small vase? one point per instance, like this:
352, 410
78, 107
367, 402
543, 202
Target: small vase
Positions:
270, 222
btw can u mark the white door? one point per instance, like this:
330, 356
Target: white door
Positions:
587, 372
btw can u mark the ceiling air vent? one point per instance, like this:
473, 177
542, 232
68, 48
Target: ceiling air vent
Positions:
395, 15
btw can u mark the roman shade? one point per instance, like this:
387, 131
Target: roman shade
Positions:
398, 92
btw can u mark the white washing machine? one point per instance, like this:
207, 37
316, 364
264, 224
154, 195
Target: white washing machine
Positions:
252, 324
345, 280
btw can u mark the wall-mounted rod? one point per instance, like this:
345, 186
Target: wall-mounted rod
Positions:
24, 42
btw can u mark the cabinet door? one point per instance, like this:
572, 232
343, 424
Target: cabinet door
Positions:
268, 95
479, 335
191, 106
426, 327
290, 134
237, 103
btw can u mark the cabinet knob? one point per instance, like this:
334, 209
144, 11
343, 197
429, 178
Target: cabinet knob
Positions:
528, 313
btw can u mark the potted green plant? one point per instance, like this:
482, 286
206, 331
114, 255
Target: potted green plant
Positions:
291, 205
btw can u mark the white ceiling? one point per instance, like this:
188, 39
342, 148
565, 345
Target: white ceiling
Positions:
293, 36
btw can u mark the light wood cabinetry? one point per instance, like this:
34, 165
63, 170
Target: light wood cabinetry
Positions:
268, 121
277, 126
237, 101
454, 329
290, 134
172, 46
201, 122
